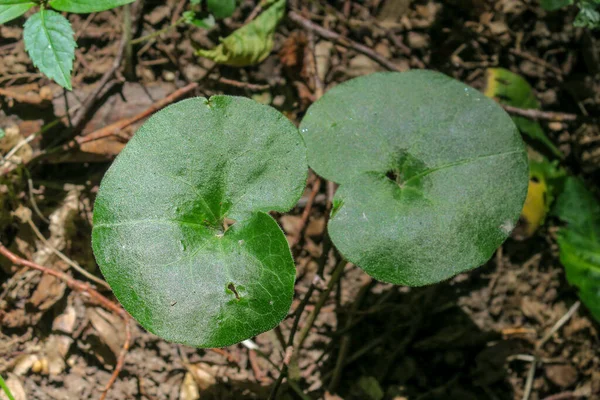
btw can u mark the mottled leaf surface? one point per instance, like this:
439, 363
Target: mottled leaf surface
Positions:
10, 12
87, 6
160, 220
50, 42
433, 174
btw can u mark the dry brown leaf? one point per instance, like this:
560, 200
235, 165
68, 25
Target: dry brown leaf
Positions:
292, 50
203, 375
189, 389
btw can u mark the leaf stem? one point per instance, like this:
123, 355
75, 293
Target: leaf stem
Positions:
4, 387
157, 33
336, 275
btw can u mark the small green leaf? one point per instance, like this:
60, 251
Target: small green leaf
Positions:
511, 89
159, 234
14, 2
250, 44
49, 41
10, 12
552, 5
579, 241
433, 174
221, 8
589, 14
2, 133
6, 389
87, 6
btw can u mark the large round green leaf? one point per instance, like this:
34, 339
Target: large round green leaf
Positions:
160, 220
433, 174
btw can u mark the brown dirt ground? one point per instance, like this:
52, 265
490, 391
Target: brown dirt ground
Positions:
469, 338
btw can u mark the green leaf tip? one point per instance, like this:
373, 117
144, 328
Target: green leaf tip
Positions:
162, 220
433, 175
87, 6
8, 12
49, 40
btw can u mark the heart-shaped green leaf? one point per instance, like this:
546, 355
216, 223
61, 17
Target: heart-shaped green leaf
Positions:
10, 12
87, 6
160, 234
49, 40
433, 174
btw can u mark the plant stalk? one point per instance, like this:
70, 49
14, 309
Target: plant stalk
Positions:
4, 387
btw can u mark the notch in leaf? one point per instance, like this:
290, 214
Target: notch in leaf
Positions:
162, 231
433, 174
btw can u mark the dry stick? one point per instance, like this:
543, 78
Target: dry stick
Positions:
94, 295
335, 277
336, 37
34, 203
63, 257
531, 374
562, 396
243, 85
306, 213
298, 314
115, 128
88, 103
534, 114
345, 341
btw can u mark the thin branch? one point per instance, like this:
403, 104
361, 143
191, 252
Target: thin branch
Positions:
63, 257
563, 320
243, 85
115, 128
295, 346
83, 288
531, 113
337, 38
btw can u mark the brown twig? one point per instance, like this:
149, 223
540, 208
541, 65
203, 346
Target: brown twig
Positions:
83, 288
120, 360
115, 128
562, 396
306, 213
536, 115
258, 372
345, 341
80, 118
243, 85
337, 38
557, 71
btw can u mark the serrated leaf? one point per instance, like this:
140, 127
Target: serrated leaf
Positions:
159, 234
250, 44
221, 8
511, 89
579, 241
433, 174
10, 12
49, 40
87, 6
